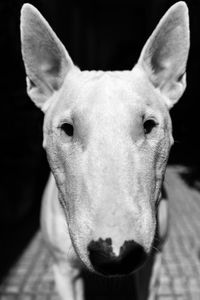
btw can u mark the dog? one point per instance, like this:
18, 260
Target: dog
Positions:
107, 136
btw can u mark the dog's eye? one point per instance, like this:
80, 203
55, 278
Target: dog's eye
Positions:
68, 129
149, 125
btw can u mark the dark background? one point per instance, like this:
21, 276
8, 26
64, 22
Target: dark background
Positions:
104, 34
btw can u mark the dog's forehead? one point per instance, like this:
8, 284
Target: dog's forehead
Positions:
98, 92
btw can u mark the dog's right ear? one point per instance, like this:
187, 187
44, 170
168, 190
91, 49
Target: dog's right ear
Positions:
46, 59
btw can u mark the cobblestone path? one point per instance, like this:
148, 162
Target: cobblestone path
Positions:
31, 277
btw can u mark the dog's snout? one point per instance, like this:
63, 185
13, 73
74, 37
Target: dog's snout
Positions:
131, 257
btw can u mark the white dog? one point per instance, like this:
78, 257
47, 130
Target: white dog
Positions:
107, 136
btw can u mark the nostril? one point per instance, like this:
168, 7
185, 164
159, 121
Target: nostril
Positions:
131, 257
133, 254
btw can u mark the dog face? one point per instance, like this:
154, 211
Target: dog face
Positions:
107, 136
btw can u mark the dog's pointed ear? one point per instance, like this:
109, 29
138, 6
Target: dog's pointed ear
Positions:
164, 56
46, 59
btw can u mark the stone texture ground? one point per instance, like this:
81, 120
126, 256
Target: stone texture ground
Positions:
31, 277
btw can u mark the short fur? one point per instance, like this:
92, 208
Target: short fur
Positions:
107, 136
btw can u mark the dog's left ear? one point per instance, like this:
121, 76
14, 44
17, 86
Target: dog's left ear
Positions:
164, 56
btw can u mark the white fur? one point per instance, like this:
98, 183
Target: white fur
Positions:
107, 177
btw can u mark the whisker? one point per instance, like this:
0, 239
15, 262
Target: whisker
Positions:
157, 240
177, 142
69, 251
166, 182
156, 249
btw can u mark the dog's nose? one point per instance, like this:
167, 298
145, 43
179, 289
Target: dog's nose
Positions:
131, 257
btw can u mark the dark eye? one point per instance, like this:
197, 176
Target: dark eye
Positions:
68, 129
149, 125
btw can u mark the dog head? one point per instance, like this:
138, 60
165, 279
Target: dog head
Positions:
107, 136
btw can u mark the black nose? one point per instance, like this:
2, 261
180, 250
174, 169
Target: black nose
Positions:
104, 261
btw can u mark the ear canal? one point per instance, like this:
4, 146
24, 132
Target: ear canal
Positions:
46, 59
164, 56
